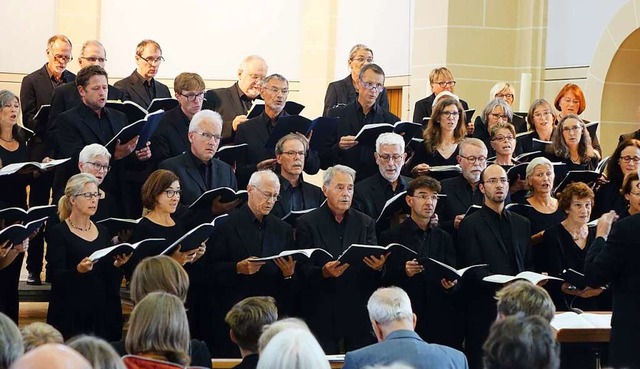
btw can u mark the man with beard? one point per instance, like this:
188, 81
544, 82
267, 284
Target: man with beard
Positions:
255, 132
498, 238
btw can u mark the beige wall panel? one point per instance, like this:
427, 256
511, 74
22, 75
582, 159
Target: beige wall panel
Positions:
479, 46
467, 13
501, 13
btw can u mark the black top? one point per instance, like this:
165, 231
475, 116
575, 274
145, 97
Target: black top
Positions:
540, 221
608, 197
421, 156
148, 229
424, 106
342, 92
198, 352
371, 194
14, 186
171, 138
459, 197
86, 303
248, 362
136, 89
311, 196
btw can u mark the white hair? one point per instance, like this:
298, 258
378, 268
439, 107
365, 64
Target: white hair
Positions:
260, 177
499, 87
389, 304
205, 115
331, 171
92, 151
443, 94
293, 349
249, 59
541, 160
390, 138
269, 331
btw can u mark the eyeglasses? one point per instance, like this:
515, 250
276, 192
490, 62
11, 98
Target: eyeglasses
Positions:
208, 136
494, 181
268, 196
193, 97
424, 196
504, 96
372, 87
503, 138
275, 90
627, 159
89, 195
444, 84
171, 193
293, 154
99, 167
386, 157
475, 159
449, 114
574, 128
499, 116
543, 114
634, 193
360, 59
151, 60
92, 59
63, 58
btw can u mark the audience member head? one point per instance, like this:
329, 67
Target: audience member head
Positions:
159, 273
494, 184
39, 333
291, 151
623, 161
92, 53
390, 310
576, 200
540, 176
251, 72
441, 79
272, 329
521, 342
359, 55
631, 192
541, 117
11, 346
97, 351
472, 158
205, 130
447, 118
58, 54
148, 59
570, 100
503, 139
94, 159
55, 355
189, 89
158, 328
248, 318
264, 191
337, 186
503, 90
422, 198
497, 111
370, 84
524, 297
161, 192
93, 86
390, 155
571, 134
293, 349
274, 92
80, 195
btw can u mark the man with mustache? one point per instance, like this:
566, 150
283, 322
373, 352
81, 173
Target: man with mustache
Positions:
295, 193
255, 132
496, 237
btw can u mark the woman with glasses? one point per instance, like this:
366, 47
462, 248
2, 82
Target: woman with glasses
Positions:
85, 293
631, 192
505, 91
570, 100
503, 143
345, 91
94, 160
446, 129
622, 163
440, 79
541, 119
571, 145
496, 111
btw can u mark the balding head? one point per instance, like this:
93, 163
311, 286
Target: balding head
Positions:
52, 356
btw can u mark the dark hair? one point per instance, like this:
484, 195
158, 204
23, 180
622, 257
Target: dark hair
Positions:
423, 182
432, 134
157, 182
614, 172
85, 74
559, 146
577, 189
248, 317
521, 342
626, 183
371, 66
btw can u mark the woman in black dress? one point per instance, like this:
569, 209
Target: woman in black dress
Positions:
571, 145
85, 294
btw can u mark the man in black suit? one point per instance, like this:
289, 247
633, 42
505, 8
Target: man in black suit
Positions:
440, 79
354, 116
36, 90
234, 102
141, 86
334, 298
372, 193
250, 232
171, 138
295, 193
199, 171
67, 96
461, 191
255, 132
498, 238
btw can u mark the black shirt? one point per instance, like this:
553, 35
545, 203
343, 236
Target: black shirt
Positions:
204, 169
502, 224
366, 118
293, 194
340, 228
102, 122
259, 226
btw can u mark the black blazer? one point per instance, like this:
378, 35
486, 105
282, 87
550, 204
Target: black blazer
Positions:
171, 138
342, 92
336, 307
66, 97
616, 261
312, 197
255, 134
359, 157
133, 89
369, 197
424, 106
225, 101
456, 202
